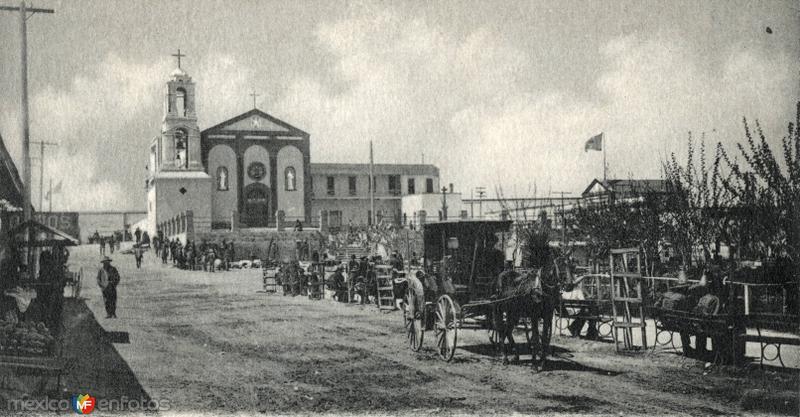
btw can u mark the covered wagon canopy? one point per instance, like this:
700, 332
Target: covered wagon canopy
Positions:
466, 233
41, 235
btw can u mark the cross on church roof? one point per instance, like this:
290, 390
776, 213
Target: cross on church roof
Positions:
179, 55
254, 95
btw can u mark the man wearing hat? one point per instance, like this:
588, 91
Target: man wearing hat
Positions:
107, 279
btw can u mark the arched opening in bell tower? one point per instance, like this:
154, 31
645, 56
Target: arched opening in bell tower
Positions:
180, 101
181, 148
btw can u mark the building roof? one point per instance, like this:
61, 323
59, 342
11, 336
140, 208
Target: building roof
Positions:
378, 169
281, 128
625, 187
12, 187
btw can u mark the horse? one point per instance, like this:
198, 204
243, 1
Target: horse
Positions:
535, 295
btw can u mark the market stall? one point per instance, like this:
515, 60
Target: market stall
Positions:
33, 273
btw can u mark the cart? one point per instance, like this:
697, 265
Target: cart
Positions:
462, 261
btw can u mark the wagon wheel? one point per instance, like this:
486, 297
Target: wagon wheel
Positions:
446, 327
414, 313
414, 317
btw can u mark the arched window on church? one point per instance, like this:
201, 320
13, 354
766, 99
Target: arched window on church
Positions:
291, 179
181, 148
222, 179
180, 101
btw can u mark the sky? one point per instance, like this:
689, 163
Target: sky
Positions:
498, 94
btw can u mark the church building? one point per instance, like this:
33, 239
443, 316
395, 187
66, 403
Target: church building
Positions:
253, 171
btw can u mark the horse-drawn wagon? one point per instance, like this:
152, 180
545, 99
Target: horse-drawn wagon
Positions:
456, 287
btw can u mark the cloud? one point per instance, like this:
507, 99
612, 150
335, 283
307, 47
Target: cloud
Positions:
104, 121
469, 98
414, 87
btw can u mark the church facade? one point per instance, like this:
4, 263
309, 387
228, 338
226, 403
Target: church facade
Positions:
260, 167
254, 171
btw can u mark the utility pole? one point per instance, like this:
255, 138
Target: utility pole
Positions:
444, 203
563, 217
42, 144
372, 216
481, 192
24, 119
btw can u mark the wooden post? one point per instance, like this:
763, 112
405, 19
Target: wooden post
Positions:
746, 299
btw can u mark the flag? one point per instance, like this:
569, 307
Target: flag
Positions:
594, 144
57, 188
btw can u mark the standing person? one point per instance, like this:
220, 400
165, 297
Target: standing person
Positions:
111, 244
138, 235
396, 262
363, 280
102, 245
173, 250
138, 253
107, 280
164, 253
231, 252
222, 253
339, 286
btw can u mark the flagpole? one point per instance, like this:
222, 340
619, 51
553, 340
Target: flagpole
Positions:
602, 137
50, 210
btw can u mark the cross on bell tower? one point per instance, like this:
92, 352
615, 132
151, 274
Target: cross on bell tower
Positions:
179, 55
180, 144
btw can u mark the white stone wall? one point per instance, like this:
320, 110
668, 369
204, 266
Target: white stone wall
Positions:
171, 202
223, 202
291, 202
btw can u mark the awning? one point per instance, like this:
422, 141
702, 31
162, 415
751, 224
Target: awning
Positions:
43, 235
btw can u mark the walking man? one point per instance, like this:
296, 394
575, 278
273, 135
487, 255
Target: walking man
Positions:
138, 253
107, 279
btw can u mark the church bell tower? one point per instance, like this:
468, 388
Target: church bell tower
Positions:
178, 188
180, 135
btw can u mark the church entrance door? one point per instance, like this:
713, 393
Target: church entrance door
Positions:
256, 205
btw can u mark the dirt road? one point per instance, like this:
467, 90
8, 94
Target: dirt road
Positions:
215, 342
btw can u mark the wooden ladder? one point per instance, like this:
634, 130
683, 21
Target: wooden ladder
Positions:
270, 280
627, 302
385, 285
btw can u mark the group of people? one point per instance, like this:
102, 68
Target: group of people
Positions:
294, 280
111, 241
362, 278
209, 257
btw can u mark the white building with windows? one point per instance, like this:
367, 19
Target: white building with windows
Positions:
254, 170
341, 192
